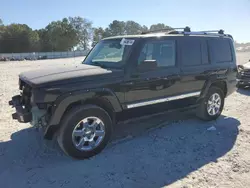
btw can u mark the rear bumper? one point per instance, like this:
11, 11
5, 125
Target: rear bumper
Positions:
21, 115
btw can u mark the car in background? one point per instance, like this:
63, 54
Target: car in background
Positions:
243, 76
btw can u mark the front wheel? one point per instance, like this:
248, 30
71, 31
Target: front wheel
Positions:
212, 105
85, 131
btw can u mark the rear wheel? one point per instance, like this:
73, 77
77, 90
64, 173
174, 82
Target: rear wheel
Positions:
85, 131
212, 105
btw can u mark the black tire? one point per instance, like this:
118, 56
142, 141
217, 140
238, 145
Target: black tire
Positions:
72, 118
202, 111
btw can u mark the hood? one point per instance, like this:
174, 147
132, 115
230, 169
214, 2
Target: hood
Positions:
64, 75
247, 65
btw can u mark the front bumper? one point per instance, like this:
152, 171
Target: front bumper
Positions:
21, 114
245, 82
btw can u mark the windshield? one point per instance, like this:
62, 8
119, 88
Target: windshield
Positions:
110, 53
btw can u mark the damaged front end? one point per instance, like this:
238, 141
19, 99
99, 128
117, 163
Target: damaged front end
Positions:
243, 76
27, 111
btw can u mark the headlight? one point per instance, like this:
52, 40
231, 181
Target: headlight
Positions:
240, 68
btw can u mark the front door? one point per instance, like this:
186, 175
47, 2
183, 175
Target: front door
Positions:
155, 86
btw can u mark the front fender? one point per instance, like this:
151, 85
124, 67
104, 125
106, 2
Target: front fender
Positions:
65, 100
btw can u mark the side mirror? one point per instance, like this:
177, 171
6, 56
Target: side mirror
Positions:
147, 65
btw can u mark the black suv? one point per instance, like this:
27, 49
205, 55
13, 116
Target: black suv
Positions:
123, 73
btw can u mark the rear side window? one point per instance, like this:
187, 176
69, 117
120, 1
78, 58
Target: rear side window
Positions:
190, 51
221, 50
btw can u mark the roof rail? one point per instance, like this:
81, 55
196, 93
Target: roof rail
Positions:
211, 32
167, 29
187, 31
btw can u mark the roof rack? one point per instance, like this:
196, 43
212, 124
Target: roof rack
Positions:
187, 31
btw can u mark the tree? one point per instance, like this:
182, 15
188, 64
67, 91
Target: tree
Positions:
2, 30
144, 28
34, 40
65, 34
132, 28
18, 38
115, 28
98, 34
45, 42
159, 26
60, 35
84, 30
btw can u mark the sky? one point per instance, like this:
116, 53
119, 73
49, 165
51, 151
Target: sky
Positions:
233, 16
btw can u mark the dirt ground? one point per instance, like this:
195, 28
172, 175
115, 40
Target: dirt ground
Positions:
172, 149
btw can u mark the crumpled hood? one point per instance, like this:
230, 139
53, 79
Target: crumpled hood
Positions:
62, 74
246, 66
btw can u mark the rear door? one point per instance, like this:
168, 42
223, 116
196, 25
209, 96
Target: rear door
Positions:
152, 87
195, 63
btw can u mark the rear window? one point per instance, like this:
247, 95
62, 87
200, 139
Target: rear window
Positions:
190, 51
221, 50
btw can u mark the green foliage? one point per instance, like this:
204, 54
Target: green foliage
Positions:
18, 38
83, 29
64, 35
124, 28
159, 26
116, 28
99, 33
45, 42
132, 28
61, 35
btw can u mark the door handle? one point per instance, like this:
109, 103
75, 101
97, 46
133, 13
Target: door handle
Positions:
128, 83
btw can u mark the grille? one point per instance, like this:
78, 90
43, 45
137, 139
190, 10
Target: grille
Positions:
245, 74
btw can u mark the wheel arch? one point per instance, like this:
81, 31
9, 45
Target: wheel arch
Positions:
103, 98
222, 84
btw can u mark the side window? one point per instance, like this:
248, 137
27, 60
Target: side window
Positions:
161, 51
221, 50
190, 52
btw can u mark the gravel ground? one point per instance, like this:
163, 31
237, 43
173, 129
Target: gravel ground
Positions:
172, 149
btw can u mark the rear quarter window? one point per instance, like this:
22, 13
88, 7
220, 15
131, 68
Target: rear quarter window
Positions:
221, 50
